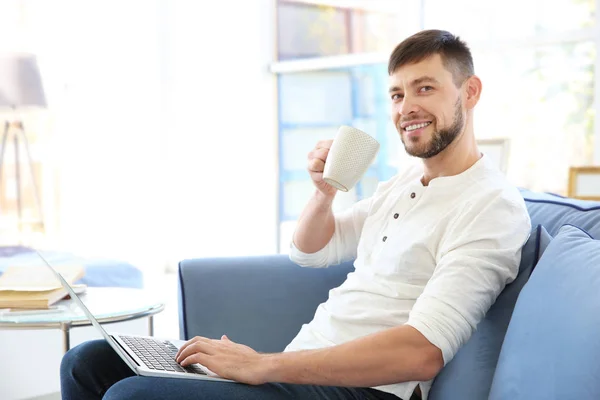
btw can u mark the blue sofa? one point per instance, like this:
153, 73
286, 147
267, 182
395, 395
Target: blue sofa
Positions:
534, 339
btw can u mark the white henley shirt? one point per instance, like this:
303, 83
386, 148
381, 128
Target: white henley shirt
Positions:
434, 257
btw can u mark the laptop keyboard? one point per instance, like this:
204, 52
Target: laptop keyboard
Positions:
158, 354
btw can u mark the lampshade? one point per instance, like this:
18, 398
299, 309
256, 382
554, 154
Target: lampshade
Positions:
20, 82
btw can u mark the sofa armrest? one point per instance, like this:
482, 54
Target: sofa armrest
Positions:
260, 301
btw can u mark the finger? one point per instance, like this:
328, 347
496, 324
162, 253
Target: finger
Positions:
186, 344
316, 176
224, 337
189, 343
321, 154
201, 346
316, 165
197, 358
324, 144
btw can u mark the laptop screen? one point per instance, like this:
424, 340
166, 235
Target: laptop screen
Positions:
87, 312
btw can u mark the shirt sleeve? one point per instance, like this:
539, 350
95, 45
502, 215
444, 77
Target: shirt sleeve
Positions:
343, 244
479, 255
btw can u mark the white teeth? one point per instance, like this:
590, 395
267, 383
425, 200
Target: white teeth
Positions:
416, 126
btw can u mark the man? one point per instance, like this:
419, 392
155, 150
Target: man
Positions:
434, 247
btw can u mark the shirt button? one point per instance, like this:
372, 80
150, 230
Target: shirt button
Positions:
412, 195
384, 238
396, 216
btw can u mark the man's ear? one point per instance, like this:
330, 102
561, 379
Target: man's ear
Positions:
472, 87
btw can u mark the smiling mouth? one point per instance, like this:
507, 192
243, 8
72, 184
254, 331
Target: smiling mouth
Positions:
413, 127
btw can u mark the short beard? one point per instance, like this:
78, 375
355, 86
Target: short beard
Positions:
441, 138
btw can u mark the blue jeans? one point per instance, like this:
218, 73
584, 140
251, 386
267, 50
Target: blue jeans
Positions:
93, 370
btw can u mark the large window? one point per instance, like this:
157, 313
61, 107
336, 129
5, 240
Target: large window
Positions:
312, 106
317, 29
537, 63
538, 71
542, 98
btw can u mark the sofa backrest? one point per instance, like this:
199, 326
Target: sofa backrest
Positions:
470, 373
551, 347
554, 211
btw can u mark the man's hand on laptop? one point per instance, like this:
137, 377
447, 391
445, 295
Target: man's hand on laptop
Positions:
225, 358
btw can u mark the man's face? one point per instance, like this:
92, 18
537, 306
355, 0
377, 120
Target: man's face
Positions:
427, 107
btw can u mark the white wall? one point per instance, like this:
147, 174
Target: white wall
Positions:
165, 126
221, 136
107, 131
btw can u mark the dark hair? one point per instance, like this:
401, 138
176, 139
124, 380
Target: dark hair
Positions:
455, 53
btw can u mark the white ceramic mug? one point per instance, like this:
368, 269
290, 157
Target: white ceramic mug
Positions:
350, 156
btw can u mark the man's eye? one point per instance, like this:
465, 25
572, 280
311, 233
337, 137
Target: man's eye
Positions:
397, 96
425, 89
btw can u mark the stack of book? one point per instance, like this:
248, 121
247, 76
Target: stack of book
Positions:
33, 287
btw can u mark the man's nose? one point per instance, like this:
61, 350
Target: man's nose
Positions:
409, 105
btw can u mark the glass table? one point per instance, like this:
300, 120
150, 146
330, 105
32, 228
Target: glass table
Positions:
108, 305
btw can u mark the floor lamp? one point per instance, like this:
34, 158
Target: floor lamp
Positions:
20, 88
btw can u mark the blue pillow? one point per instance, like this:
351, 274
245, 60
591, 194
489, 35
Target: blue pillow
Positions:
552, 346
469, 375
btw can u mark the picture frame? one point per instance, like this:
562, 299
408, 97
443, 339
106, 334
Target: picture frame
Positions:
497, 149
584, 183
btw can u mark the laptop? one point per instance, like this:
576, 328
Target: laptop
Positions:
145, 355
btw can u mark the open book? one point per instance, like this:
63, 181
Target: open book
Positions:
35, 286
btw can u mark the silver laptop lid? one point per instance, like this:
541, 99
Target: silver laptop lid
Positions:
87, 312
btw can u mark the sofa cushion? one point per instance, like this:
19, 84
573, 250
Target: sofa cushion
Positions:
554, 211
469, 375
103, 272
551, 349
